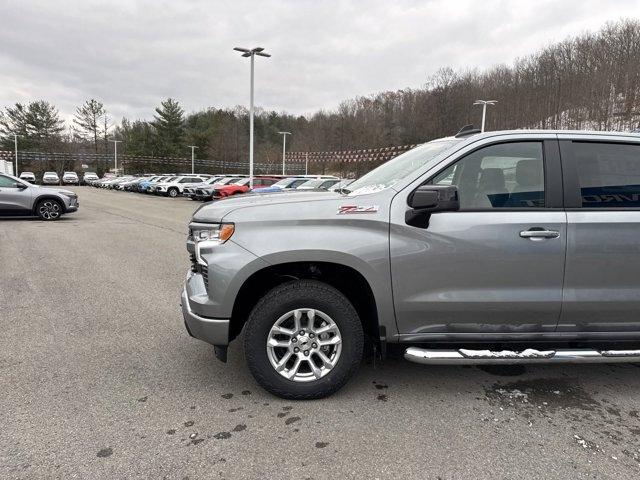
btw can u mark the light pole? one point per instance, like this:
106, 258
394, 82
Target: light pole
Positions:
115, 155
284, 147
484, 104
15, 143
192, 147
251, 53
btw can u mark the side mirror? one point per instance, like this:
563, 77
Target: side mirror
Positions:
428, 199
21, 185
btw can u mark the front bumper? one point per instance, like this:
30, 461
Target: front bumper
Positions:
211, 330
71, 204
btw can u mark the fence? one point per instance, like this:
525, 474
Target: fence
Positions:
344, 163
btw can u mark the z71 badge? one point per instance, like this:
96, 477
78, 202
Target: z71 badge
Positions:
349, 209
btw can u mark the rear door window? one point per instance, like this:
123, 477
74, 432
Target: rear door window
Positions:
608, 174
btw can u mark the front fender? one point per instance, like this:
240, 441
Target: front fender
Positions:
358, 242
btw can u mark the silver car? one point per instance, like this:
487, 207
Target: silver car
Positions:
20, 198
50, 178
472, 249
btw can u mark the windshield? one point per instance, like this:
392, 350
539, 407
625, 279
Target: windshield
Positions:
244, 181
312, 183
228, 180
398, 168
285, 182
211, 180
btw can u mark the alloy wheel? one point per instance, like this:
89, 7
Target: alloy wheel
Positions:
304, 345
49, 210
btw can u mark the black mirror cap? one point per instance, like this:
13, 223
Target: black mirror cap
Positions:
428, 199
21, 185
435, 198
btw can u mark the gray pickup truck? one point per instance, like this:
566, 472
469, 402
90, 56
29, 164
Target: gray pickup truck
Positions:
500, 247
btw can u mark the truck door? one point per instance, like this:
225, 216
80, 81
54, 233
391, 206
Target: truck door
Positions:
602, 195
496, 266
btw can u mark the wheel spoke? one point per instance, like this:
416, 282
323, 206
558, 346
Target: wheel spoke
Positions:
283, 361
331, 341
278, 343
314, 368
297, 314
326, 361
326, 329
282, 330
311, 315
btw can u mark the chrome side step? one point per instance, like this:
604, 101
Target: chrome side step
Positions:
487, 357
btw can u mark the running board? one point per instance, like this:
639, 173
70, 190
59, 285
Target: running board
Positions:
487, 357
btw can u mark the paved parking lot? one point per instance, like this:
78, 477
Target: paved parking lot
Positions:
99, 379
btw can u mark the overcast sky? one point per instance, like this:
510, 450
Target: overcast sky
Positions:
131, 54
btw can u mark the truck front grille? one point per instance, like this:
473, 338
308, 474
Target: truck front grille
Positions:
201, 269
205, 276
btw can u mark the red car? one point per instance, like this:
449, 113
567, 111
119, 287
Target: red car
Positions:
242, 186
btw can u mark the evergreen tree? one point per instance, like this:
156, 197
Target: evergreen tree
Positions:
88, 119
38, 124
169, 126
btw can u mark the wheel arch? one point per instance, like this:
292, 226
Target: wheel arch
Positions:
49, 196
346, 279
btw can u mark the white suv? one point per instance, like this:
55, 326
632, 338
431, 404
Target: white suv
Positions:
176, 186
50, 178
70, 177
89, 177
28, 176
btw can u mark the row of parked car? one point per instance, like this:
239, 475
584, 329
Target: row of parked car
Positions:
52, 178
210, 187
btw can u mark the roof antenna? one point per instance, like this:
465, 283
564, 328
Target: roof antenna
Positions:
467, 130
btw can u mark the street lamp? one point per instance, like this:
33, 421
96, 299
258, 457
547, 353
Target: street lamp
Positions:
115, 155
284, 147
251, 53
192, 147
15, 142
484, 104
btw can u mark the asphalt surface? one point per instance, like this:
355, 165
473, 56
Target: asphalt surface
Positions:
99, 379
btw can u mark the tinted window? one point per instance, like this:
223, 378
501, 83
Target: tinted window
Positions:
608, 174
508, 175
296, 183
7, 182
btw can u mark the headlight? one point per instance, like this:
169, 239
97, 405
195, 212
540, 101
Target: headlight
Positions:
210, 236
217, 232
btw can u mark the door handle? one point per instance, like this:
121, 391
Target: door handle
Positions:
537, 232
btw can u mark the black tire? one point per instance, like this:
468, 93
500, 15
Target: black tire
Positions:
172, 192
49, 210
285, 298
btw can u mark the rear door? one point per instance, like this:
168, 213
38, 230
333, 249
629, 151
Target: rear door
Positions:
494, 268
602, 195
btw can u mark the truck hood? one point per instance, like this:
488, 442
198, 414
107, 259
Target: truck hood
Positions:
218, 209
